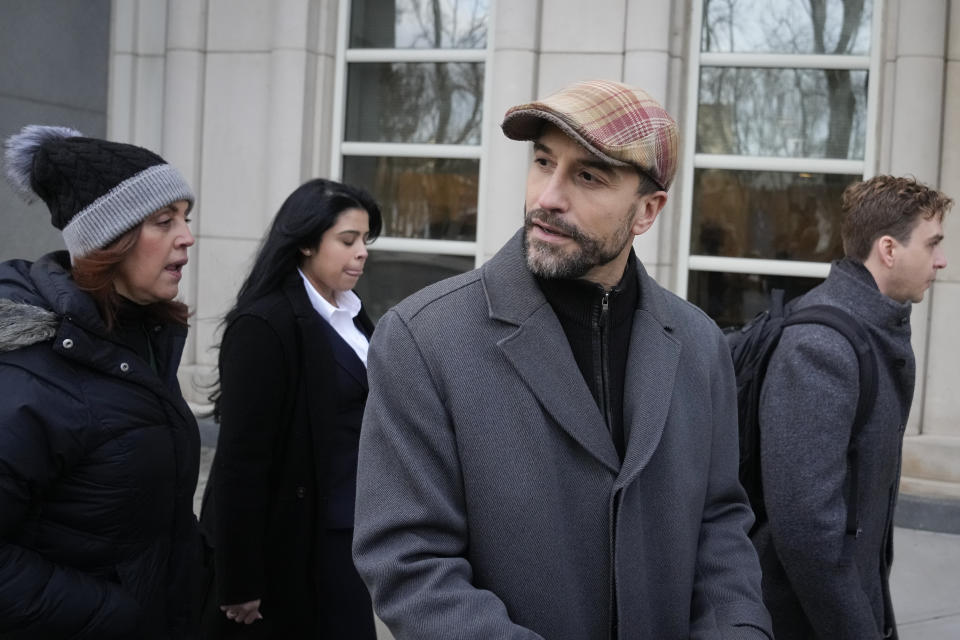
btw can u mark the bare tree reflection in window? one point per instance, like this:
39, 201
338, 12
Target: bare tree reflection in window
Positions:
843, 102
421, 103
784, 112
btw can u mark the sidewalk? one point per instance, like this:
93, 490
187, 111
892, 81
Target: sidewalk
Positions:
925, 581
925, 584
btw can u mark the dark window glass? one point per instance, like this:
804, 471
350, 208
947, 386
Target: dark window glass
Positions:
423, 102
418, 24
809, 113
767, 214
391, 276
787, 26
433, 198
732, 299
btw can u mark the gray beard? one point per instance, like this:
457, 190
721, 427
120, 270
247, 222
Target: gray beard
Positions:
547, 261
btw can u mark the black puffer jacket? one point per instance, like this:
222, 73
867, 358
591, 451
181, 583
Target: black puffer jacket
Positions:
98, 464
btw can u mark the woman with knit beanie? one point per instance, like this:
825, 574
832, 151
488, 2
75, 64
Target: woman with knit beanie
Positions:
99, 453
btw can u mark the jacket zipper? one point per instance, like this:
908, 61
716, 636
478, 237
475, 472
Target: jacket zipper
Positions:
600, 360
602, 379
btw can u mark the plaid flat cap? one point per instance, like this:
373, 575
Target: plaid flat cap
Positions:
620, 124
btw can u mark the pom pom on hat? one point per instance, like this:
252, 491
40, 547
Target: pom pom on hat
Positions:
21, 149
96, 190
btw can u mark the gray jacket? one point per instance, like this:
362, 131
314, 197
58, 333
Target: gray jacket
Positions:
806, 415
492, 503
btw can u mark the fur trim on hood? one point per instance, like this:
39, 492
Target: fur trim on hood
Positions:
22, 325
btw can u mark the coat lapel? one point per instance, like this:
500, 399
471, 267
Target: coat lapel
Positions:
316, 367
539, 352
648, 388
345, 356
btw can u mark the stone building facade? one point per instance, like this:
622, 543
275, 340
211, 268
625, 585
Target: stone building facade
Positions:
780, 106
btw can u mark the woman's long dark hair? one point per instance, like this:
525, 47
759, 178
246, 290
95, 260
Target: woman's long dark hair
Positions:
303, 218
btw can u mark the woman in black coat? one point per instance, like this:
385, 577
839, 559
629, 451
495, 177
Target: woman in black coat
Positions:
99, 453
279, 503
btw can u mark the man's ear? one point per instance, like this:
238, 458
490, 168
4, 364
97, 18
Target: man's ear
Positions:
885, 247
649, 207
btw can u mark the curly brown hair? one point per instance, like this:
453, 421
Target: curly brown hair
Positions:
886, 206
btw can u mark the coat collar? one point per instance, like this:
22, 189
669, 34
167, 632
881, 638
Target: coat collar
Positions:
539, 351
852, 285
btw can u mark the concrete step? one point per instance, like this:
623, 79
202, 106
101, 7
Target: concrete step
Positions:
935, 458
923, 487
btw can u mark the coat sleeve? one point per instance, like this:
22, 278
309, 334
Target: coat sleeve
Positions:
253, 381
727, 594
37, 595
807, 408
411, 534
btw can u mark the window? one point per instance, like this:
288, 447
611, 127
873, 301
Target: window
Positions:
411, 83
782, 125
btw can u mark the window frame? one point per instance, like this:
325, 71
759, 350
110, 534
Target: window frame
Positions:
340, 148
871, 63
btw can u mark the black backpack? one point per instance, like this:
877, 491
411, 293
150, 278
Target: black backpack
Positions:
751, 347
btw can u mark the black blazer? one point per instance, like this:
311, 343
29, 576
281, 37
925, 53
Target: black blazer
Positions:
284, 372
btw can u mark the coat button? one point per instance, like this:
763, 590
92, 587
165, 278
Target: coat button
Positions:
124, 367
301, 491
67, 343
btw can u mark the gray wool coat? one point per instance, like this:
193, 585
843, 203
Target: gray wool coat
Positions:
808, 403
491, 502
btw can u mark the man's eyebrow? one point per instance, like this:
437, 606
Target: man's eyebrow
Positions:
598, 164
587, 159
937, 239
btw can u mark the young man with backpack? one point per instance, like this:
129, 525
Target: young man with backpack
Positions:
830, 476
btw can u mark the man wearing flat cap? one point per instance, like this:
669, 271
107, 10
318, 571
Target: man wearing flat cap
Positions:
549, 448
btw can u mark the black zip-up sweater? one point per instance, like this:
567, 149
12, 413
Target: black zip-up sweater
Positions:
597, 324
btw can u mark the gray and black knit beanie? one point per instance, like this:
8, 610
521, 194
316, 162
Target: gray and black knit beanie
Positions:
96, 190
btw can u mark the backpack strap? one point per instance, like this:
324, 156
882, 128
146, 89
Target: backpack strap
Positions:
856, 335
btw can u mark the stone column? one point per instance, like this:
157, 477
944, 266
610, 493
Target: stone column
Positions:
922, 124
653, 60
512, 77
181, 126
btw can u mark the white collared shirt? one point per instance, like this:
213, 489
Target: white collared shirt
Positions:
340, 317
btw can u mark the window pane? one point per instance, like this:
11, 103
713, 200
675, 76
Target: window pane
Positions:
811, 113
732, 299
767, 214
431, 198
390, 276
414, 24
427, 102
787, 26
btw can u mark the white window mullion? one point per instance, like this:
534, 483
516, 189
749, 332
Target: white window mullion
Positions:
407, 150
783, 60
794, 268
339, 91
422, 245
873, 90
416, 55
760, 163
689, 150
